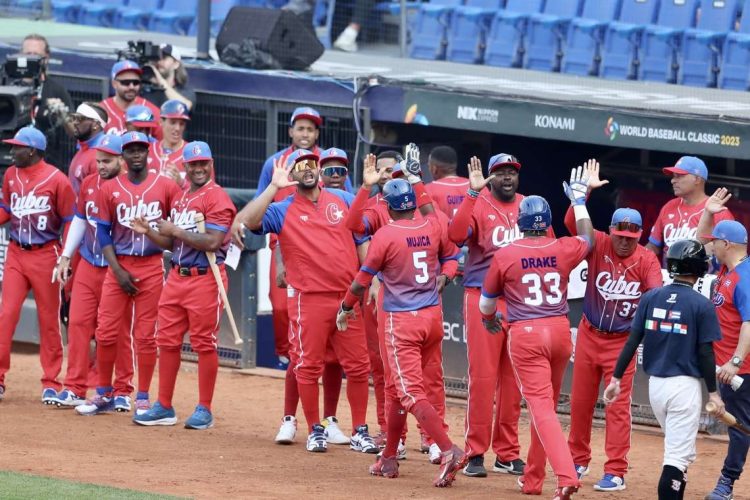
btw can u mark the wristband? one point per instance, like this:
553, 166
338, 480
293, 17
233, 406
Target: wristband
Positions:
580, 212
489, 317
349, 300
472, 194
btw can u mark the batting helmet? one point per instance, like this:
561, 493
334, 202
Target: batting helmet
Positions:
399, 195
174, 109
687, 258
534, 214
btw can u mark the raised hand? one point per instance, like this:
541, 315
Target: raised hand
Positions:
592, 170
477, 182
280, 177
412, 154
716, 203
578, 187
370, 174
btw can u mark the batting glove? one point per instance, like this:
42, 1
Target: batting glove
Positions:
578, 187
342, 318
493, 322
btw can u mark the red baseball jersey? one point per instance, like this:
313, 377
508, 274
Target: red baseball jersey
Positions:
532, 274
409, 253
679, 221
310, 235
731, 296
448, 193
83, 163
39, 201
219, 211
87, 210
116, 121
120, 201
159, 156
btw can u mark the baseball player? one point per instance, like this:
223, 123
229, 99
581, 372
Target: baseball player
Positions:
135, 276
190, 300
38, 201
87, 286
88, 123
413, 320
309, 225
620, 271
447, 189
126, 81
532, 273
677, 327
334, 169
486, 221
679, 218
166, 155
140, 118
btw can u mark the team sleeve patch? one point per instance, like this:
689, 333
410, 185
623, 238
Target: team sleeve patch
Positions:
654, 241
216, 227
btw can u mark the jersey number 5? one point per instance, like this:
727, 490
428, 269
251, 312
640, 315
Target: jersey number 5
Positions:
420, 265
551, 285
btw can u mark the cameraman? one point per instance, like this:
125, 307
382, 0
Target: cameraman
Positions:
169, 79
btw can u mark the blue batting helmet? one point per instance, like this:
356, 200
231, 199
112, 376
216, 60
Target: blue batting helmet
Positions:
399, 195
534, 214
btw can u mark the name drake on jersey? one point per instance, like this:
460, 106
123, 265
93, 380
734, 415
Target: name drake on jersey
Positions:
29, 204
619, 289
126, 213
673, 234
502, 236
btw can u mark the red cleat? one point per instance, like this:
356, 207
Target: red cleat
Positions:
386, 467
564, 493
453, 461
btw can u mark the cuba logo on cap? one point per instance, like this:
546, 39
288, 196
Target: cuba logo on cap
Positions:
197, 149
106, 140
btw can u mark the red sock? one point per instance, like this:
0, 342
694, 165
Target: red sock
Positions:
208, 369
309, 394
106, 355
291, 393
432, 424
146, 367
332, 374
396, 422
358, 392
169, 366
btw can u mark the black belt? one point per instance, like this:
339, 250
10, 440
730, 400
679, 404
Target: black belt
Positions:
599, 330
30, 246
190, 271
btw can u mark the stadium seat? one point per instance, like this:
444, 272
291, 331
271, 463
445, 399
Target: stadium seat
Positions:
736, 56
505, 42
468, 28
622, 38
701, 46
546, 33
661, 42
323, 20
26, 7
66, 11
99, 13
428, 29
585, 37
175, 16
136, 15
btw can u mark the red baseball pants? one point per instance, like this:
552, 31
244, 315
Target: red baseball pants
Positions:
370, 320
595, 358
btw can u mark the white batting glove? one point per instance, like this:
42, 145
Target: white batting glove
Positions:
578, 187
342, 318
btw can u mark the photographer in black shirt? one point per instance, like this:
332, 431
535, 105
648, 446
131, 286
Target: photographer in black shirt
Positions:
167, 79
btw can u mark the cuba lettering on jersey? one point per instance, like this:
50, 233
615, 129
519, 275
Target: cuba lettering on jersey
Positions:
409, 253
120, 201
731, 297
532, 274
448, 193
39, 200
87, 210
309, 234
116, 116
219, 211
83, 163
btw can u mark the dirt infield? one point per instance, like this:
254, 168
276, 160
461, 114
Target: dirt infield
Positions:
238, 459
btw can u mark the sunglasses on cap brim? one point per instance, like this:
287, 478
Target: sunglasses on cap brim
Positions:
305, 164
626, 227
331, 171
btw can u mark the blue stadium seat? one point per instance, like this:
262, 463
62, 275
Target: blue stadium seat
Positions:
546, 33
736, 56
468, 28
701, 47
26, 7
622, 38
585, 37
661, 42
323, 21
99, 13
175, 16
505, 42
136, 15
428, 29
66, 11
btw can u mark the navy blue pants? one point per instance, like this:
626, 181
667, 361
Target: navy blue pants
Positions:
738, 404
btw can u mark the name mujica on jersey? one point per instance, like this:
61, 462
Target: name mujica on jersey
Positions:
417, 241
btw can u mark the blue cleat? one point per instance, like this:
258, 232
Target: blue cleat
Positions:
49, 396
156, 415
98, 404
610, 482
200, 419
723, 490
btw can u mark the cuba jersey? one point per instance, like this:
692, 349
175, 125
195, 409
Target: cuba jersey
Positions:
86, 209
159, 156
409, 253
615, 285
532, 275
120, 201
83, 163
116, 117
217, 209
731, 297
39, 200
448, 193
679, 221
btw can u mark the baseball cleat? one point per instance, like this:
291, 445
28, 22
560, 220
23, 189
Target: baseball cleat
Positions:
98, 404
156, 415
316, 440
287, 431
200, 419
520, 482
724, 489
361, 441
380, 438
49, 396
564, 493
333, 431
142, 404
400, 451
581, 470
453, 461
610, 482
434, 454
475, 467
67, 399
514, 467
122, 404
385, 467
424, 444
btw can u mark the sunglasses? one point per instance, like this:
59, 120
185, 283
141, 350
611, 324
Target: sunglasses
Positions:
129, 83
303, 165
331, 171
627, 226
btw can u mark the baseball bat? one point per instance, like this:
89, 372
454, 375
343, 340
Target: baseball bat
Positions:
728, 419
200, 222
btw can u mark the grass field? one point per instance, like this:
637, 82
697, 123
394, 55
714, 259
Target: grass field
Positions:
22, 486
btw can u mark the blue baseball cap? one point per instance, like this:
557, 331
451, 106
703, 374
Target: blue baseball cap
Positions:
503, 160
140, 116
688, 165
109, 143
29, 137
301, 154
334, 154
729, 230
626, 222
308, 113
125, 65
196, 151
133, 138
